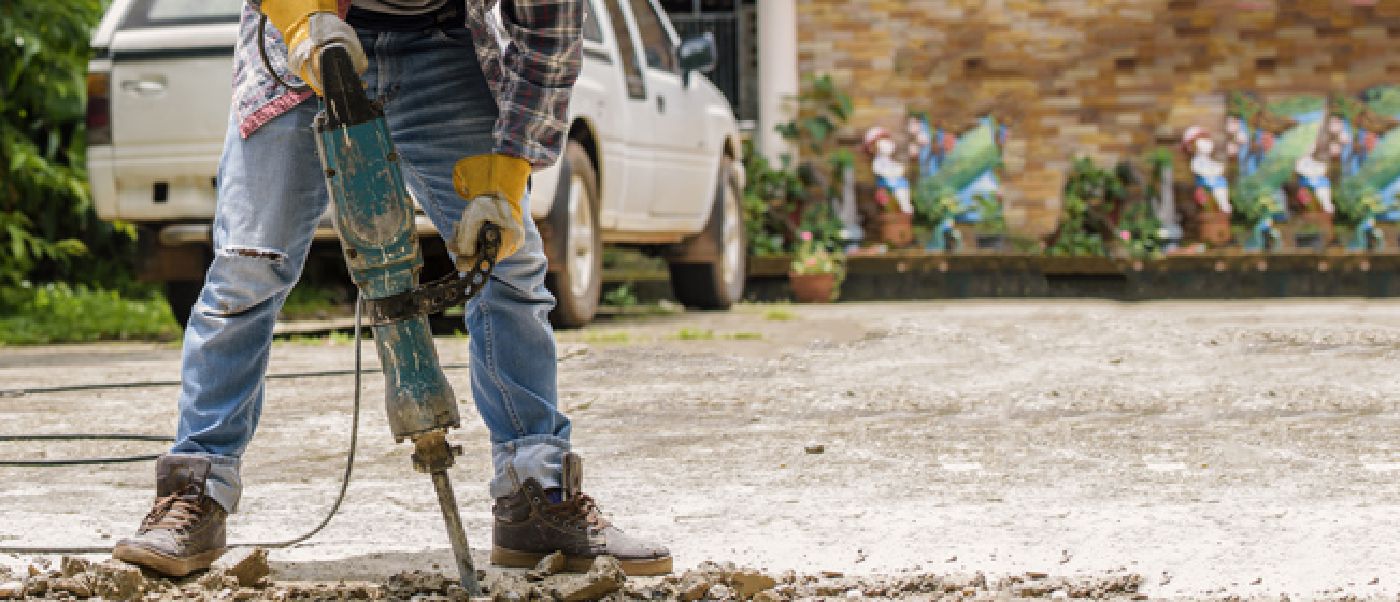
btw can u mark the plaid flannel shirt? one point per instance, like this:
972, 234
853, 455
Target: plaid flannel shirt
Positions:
531, 57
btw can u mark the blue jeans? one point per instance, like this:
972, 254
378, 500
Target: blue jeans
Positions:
271, 196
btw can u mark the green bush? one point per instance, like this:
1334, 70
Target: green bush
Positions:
59, 313
48, 231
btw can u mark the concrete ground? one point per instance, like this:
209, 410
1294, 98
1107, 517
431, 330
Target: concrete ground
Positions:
1216, 448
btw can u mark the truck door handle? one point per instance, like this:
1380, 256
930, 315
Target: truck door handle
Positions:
660, 104
145, 87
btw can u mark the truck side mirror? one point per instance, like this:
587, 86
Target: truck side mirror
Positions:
697, 54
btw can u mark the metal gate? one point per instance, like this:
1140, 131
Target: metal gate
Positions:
734, 54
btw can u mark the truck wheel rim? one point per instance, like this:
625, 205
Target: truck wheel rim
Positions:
581, 244
733, 238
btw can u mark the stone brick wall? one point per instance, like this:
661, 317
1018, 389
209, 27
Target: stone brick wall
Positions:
1104, 78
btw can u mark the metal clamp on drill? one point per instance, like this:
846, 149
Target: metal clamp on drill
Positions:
374, 217
449, 291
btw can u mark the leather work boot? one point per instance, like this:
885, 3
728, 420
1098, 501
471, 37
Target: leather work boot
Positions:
528, 527
184, 532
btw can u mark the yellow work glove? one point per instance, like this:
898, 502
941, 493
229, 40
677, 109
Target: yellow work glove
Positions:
493, 186
307, 26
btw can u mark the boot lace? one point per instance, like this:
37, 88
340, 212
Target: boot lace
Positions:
581, 507
177, 512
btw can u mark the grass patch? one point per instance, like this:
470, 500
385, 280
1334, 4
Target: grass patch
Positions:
695, 334
60, 313
744, 336
779, 314
621, 297
608, 336
334, 337
309, 302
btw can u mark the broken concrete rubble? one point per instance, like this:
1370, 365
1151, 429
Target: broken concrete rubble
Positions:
248, 565
605, 580
117, 580
549, 565
12, 590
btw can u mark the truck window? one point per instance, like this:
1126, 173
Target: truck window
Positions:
162, 13
661, 53
592, 31
636, 85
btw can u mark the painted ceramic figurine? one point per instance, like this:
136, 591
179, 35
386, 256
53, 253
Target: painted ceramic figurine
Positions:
1312, 176
1210, 173
889, 171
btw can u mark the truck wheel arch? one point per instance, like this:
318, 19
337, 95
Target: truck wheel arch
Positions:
583, 132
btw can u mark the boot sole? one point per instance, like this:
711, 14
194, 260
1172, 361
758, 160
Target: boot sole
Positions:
165, 564
650, 567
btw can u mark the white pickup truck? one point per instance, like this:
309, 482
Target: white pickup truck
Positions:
653, 157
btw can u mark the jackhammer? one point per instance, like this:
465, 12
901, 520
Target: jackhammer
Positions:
374, 217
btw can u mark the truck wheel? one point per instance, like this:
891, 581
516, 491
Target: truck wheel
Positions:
577, 280
182, 296
716, 280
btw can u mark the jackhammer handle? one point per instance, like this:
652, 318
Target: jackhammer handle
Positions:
346, 101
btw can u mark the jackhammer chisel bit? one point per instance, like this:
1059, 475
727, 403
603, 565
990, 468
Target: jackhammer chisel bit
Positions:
375, 219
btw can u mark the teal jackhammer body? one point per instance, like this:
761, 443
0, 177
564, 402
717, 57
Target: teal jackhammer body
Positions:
374, 216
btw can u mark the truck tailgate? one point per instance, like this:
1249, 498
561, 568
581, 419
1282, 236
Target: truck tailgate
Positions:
170, 103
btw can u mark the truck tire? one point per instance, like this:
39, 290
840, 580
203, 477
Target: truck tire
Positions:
577, 278
708, 271
182, 295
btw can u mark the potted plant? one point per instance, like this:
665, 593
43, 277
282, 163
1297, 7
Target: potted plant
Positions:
1312, 220
1212, 225
1310, 235
896, 228
815, 273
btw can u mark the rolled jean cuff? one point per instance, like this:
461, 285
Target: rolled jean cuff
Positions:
223, 484
538, 457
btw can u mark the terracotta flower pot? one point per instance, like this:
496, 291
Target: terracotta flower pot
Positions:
1214, 228
812, 288
1318, 227
896, 229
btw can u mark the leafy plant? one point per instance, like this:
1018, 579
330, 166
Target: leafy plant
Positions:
934, 201
993, 215
1073, 239
824, 110
1091, 196
769, 195
791, 197
1253, 201
46, 218
1110, 212
1140, 230
1356, 200
622, 297
814, 258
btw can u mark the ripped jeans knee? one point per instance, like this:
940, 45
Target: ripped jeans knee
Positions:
243, 277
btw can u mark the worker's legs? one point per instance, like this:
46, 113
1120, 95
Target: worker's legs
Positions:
440, 109
271, 195
270, 198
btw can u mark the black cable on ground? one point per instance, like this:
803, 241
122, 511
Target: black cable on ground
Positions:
176, 383
334, 509
82, 437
